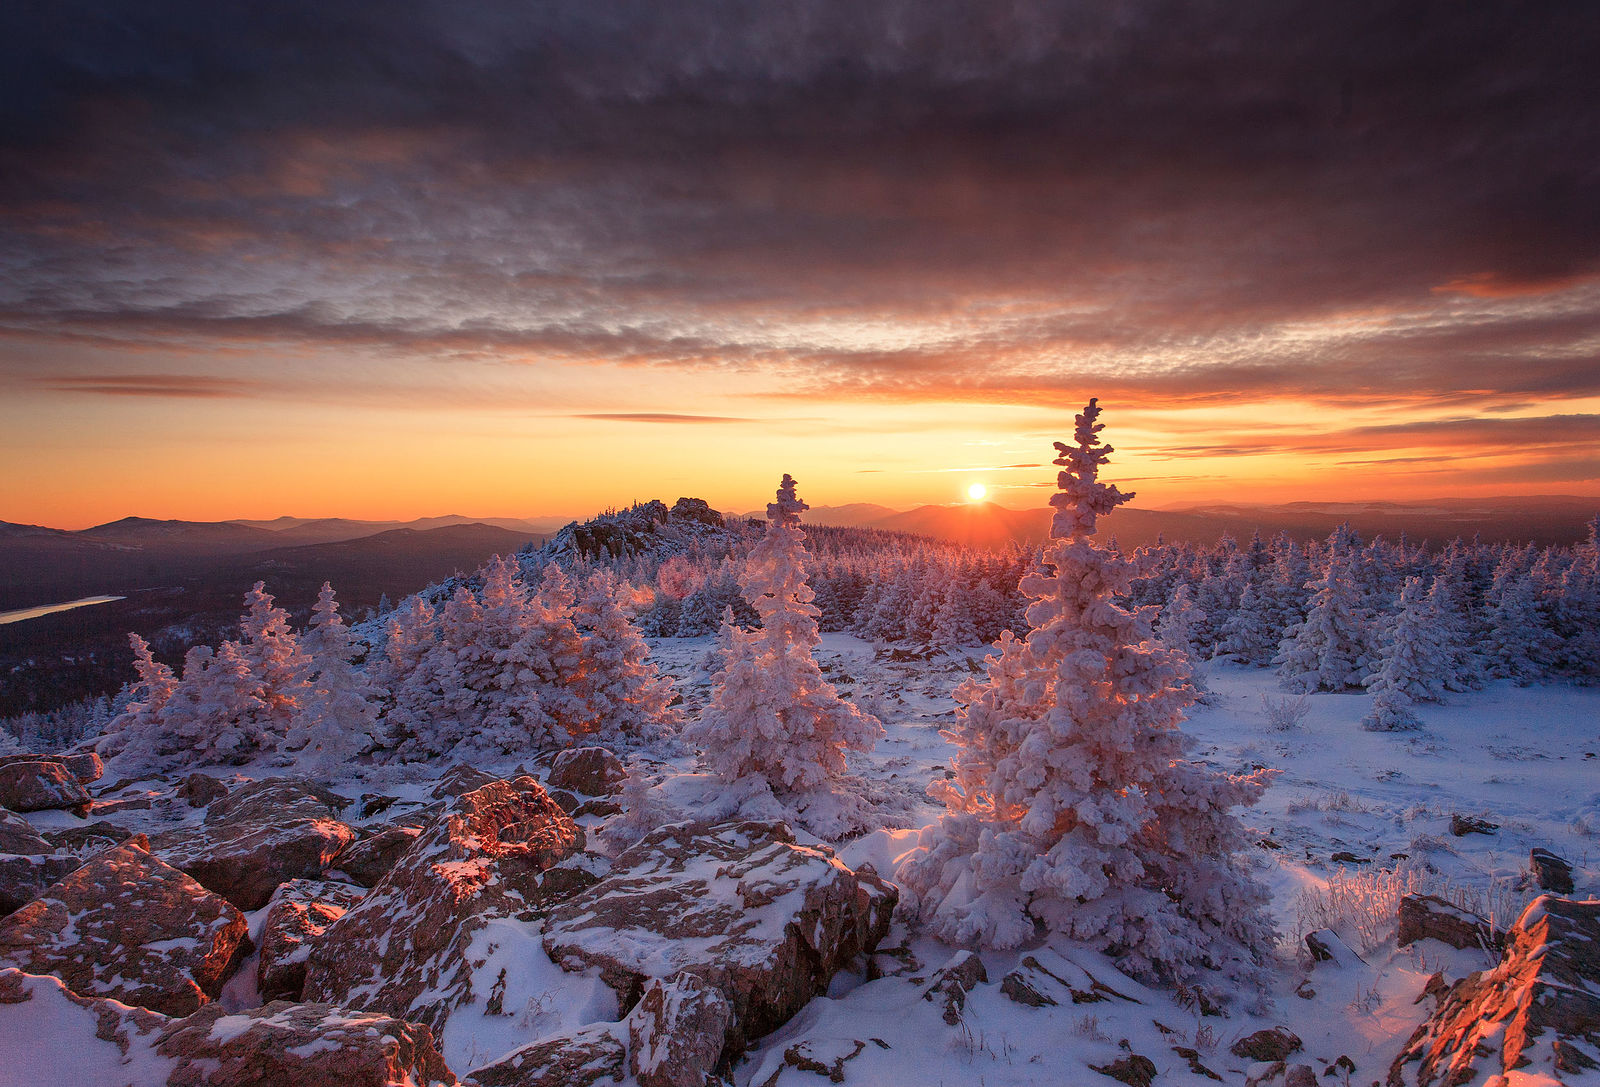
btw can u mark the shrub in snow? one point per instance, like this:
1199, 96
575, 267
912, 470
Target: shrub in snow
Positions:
1072, 806
772, 716
1284, 712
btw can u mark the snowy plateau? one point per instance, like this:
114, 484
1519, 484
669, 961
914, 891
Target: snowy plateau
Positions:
609, 881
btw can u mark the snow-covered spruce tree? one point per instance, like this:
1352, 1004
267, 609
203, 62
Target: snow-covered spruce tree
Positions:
1177, 627
137, 729
340, 713
1073, 808
772, 717
1416, 664
625, 697
219, 712
1328, 651
273, 655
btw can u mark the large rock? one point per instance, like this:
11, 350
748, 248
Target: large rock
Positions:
259, 837
18, 836
1428, 917
766, 921
85, 766
584, 1058
41, 785
593, 771
24, 877
127, 926
1550, 872
401, 951
103, 1042
300, 913
300, 1045
1524, 1014
675, 1033
369, 858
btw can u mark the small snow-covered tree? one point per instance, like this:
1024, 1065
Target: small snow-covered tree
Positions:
1073, 807
219, 712
772, 716
1328, 651
340, 713
272, 653
1416, 664
137, 729
1177, 628
624, 695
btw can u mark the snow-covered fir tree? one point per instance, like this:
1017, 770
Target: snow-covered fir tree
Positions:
1073, 808
772, 717
1416, 664
340, 715
1329, 650
624, 695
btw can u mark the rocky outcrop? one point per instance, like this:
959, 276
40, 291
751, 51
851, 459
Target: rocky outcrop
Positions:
953, 981
460, 779
85, 766
18, 836
401, 950
300, 1045
258, 837
1525, 1013
300, 913
675, 1032
1550, 872
371, 857
41, 785
594, 1055
740, 905
199, 790
1427, 917
593, 771
280, 1045
127, 926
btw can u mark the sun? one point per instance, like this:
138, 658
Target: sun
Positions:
977, 491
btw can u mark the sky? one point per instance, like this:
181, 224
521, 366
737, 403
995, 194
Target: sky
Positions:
383, 260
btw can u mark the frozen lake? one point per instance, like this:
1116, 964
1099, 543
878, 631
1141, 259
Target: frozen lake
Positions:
47, 609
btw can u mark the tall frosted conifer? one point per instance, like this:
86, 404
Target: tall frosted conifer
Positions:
1072, 808
772, 715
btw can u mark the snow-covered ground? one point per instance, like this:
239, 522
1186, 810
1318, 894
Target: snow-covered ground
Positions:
1522, 758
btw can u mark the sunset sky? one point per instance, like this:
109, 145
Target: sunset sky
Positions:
385, 260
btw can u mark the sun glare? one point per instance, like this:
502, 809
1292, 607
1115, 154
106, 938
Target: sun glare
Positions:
977, 491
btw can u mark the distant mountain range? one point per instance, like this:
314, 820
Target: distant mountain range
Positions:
1539, 519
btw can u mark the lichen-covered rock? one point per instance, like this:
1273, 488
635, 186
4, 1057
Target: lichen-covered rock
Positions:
676, 1031
401, 949
249, 854
593, 771
1525, 1013
764, 920
594, 1055
1428, 917
127, 926
371, 857
300, 913
41, 785
300, 1045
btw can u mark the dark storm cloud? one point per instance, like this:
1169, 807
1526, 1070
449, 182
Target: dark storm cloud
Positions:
1149, 197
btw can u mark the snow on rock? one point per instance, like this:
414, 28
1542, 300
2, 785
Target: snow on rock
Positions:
300, 912
676, 1031
84, 765
18, 836
51, 1037
127, 926
301, 1045
401, 950
1535, 1017
595, 1054
41, 784
593, 771
1430, 917
766, 921
24, 877
257, 838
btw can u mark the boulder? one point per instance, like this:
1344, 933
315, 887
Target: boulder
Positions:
24, 877
401, 950
594, 1055
300, 913
592, 771
1326, 946
85, 766
460, 779
741, 905
1036, 985
88, 839
200, 790
46, 1030
1523, 1015
127, 926
1274, 1044
18, 836
41, 785
247, 856
953, 981
371, 857
276, 798
1550, 872
675, 1032
1428, 917
300, 1045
